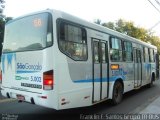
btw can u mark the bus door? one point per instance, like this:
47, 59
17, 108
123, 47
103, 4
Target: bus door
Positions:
100, 70
137, 68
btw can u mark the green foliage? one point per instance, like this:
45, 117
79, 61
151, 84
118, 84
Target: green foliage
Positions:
2, 26
2, 6
109, 25
2, 23
129, 28
97, 21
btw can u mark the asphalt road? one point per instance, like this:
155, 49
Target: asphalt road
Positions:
133, 102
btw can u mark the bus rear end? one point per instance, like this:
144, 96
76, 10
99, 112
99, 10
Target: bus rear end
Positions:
27, 60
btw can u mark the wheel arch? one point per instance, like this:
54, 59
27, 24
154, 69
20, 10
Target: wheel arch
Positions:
153, 77
112, 86
121, 81
117, 91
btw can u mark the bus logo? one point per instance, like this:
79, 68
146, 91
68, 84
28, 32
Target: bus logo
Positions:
28, 68
21, 78
8, 61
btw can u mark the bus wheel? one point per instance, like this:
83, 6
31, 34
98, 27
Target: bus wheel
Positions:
117, 93
151, 83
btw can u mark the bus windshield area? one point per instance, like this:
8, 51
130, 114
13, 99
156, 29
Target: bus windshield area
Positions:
32, 32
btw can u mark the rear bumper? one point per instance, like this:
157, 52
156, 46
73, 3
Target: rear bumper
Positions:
34, 98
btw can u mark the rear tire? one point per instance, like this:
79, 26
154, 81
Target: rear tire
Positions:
151, 83
117, 93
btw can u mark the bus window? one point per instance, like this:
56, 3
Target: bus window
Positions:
154, 56
128, 51
116, 49
33, 32
146, 55
103, 48
96, 52
149, 55
72, 41
151, 59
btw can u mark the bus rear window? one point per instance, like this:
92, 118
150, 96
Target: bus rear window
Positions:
28, 33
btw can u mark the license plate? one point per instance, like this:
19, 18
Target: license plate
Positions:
20, 97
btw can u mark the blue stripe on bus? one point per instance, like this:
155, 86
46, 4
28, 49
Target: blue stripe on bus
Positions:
19, 72
113, 78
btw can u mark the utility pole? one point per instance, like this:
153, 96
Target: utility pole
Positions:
158, 10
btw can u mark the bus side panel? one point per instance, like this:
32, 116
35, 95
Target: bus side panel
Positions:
124, 73
75, 84
128, 73
75, 81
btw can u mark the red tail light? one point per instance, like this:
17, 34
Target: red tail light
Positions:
0, 77
48, 80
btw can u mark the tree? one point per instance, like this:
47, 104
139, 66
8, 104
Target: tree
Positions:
2, 23
2, 6
109, 25
129, 28
97, 21
2, 26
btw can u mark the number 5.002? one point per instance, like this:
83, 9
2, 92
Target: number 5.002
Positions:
35, 78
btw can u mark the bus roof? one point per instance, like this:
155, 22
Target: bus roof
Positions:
90, 25
104, 29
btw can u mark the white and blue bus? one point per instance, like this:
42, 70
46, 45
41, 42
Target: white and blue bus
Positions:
56, 60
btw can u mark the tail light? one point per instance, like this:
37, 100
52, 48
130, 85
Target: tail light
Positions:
48, 80
0, 77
